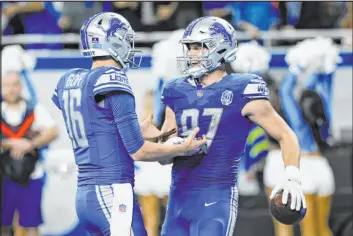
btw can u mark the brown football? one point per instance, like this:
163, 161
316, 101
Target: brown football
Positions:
283, 213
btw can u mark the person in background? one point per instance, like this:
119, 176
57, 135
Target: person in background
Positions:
347, 22
38, 18
254, 17
131, 11
308, 117
10, 24
171, 16
26, 126
218, 9
71, 22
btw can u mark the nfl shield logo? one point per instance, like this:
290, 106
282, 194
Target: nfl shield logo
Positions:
122, 208
227, 97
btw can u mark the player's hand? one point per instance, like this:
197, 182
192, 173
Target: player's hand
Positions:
19, 147
150, 132
194, 146
291, 186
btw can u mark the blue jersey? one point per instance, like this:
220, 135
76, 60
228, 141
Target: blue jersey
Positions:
100, 153
216, 110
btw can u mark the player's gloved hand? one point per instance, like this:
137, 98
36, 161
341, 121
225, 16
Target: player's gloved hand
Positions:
292, 186
192, 145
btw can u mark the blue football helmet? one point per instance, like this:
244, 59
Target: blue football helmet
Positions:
110, 34
213, 33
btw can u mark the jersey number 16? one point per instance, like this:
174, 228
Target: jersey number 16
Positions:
74, 119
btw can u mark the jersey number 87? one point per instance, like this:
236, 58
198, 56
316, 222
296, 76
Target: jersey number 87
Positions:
216, 114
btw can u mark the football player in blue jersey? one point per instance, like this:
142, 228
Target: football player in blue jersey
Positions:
203, 198
98, 107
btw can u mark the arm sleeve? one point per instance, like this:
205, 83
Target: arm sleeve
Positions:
123, 107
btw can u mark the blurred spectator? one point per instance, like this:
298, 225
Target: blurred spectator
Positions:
10, 25
171, 16
131, 11
26, 128
71, 22
311, 15
347, 22
254, 16
289, 13
218, 9
38, 18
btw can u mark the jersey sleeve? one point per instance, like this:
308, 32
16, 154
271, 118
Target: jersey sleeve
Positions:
111, 80
166, 96
255, 88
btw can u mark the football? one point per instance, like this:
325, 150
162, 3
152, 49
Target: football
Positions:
283, 213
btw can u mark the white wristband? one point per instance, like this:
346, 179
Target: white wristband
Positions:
292, 173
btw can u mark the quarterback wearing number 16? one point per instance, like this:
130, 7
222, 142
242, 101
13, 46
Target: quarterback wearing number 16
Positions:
98, 107
203, 199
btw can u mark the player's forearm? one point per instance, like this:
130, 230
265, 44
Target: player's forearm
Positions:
157, 152
290, 148
45, 137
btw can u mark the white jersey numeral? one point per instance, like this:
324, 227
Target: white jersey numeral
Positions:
74, 119
193, 114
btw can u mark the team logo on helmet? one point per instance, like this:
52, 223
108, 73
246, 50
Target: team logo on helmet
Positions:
115, 25
218, 29
191, 26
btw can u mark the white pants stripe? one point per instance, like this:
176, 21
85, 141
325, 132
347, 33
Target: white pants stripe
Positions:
117, 202
232, 211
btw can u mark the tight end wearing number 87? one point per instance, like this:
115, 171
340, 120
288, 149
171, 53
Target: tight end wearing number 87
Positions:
224, 107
